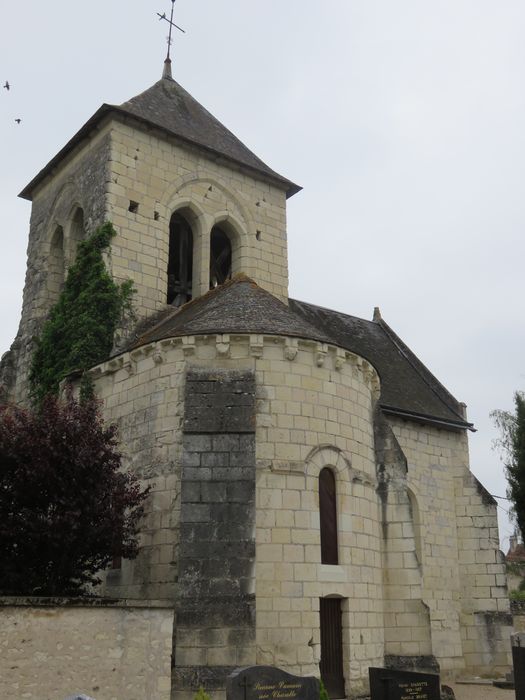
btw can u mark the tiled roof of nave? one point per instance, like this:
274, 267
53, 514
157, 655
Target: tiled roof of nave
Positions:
241, 306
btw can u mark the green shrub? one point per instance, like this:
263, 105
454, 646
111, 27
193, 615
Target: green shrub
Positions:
201, 694
323, 693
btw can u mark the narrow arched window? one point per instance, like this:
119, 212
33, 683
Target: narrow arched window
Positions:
56, 263
180, 261
328, 517
76, 234
220, 257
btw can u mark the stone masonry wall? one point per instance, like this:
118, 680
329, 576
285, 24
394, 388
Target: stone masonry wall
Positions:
52, 649
407, 620
162, 177
314, 409
80, 182
460, 584
143, 394
216, 588
486, 622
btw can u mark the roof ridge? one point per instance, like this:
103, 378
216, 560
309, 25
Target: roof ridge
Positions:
332, 311
416, 364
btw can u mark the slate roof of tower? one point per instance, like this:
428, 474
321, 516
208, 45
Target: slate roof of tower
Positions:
167, 106
408, 388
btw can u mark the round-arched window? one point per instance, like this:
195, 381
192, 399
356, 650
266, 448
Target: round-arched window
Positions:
328, 517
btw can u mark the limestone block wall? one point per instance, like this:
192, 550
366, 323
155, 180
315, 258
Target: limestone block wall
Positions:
407, 621
486, 619
215, 631
53, 648
79, 183
143, 394
454, 565
162, 177
314, 409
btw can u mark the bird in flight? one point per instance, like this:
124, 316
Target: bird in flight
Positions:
6, 85
18, 121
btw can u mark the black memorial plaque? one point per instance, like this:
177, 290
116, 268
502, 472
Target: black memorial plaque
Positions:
518, 661
387, 684
270, 683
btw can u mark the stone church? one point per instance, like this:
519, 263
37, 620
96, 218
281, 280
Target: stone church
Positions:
312, 505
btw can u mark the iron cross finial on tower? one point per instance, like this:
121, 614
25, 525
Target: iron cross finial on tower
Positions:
167, 63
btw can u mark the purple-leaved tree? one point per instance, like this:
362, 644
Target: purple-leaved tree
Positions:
66, 507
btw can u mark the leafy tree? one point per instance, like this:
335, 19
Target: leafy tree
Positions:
512, 444
81, 326
66, 508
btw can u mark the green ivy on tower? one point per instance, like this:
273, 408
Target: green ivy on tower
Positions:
80, 329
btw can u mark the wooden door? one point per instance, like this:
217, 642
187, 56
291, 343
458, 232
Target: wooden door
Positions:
331, 665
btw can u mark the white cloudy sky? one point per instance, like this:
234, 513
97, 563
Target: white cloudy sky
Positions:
403, 120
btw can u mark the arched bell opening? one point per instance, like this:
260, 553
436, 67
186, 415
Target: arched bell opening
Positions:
180, 261
220, 257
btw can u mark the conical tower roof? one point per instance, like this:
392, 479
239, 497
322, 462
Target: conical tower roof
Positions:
167, 106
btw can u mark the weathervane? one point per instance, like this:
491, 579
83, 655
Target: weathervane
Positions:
172, 24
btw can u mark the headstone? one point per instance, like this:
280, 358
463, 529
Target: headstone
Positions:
388, 684
270, 683
518, 662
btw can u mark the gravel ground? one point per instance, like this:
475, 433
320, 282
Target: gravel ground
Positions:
472, 691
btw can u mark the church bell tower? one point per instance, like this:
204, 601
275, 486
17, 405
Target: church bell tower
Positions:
191, 204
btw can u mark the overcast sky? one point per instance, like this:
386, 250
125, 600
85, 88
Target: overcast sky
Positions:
402, 119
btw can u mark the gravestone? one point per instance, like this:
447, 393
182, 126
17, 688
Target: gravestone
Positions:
518, 662
270, 683
388, 684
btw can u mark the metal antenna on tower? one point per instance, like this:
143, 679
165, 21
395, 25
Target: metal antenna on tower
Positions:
167, 62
